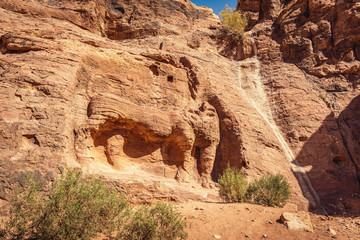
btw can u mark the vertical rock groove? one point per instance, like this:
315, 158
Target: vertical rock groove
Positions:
251, 86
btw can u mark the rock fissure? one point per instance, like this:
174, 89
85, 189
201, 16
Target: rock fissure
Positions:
131, 15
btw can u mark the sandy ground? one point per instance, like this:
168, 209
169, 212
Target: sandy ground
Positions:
207, 221
237, 221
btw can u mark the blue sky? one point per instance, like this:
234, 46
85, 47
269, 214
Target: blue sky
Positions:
216, 5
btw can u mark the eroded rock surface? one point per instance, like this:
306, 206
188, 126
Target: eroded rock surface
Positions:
310, 69
142, 109
149, 95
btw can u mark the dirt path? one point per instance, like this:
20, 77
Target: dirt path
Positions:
207, 221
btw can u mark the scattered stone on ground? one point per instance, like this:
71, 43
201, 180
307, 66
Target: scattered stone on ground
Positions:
297, 221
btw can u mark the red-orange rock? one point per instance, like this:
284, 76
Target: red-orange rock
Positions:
309, 65
148, 92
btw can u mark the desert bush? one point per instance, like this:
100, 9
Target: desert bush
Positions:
142, 226
80, 206
233, 22
233, 185
270, 190
24, 211
159, 222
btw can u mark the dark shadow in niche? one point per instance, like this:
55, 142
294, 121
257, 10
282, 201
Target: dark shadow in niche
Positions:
170, 78
31, 138
155, 69
196, 155
230, 148
333, 154
172, 154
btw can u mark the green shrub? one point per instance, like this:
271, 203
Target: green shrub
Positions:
25, 210
270, 190
79, 207
160, 222
233, 185
142, 226
233, 22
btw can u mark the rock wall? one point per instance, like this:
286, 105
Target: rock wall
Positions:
85, 86
310, 69
153, 97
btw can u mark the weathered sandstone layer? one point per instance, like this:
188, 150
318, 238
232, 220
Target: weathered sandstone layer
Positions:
156, 98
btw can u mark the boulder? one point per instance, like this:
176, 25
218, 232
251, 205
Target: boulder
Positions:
297, 221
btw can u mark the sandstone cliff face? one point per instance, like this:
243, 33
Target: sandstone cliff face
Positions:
311, 68
148, 95
143, 109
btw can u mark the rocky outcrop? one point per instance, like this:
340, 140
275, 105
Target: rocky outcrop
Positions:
149, 96
310, 70
91, 84
121, 20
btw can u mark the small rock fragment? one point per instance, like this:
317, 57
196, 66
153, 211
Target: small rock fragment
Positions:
332, 231
322, 218
297, 221
217, 236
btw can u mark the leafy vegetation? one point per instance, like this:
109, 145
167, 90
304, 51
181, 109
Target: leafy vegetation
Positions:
270, 190
233, 185
233, 22
160, 222
80, 207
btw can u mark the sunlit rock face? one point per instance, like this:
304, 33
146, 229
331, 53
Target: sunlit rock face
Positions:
155, 97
